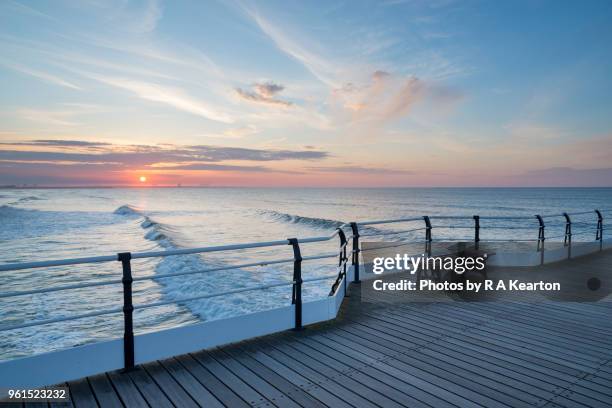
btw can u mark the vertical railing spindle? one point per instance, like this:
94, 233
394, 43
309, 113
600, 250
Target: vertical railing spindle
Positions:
428, 238
541, 238
567, 241
128, 310
342, 256
476, 231
297, 282
355, 251
599, 233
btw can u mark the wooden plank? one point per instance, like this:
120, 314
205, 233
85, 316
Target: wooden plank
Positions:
453, 313
104, 392
196, 390
543, 350
453, 391
336, 372
366, 375
493, 386
82, 395
4, 404
245, 392
540, 318
293, 392
222, 392
318, 378
585, 395
566, 347
33, 404
418, 389
549, 318
126, 390
489, 342
258, 384
171, 388
296, 378
149, 389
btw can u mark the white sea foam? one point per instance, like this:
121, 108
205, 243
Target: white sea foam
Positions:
195, 284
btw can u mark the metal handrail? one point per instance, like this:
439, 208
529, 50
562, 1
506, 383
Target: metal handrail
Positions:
232, 247
162, 303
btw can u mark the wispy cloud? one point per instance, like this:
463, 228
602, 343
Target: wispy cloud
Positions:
319, 66
389, 97
237, 133
49, 117
77, 162
167, 95
137, 17
147, 155
357, 96
149, 18
65, 114
264, 93
221, 167
57, 143
45, 76
24, 9
359, 170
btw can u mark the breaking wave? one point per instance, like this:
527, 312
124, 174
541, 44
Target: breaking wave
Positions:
324, 223
154, 231
193, 284
298, 219
127, 210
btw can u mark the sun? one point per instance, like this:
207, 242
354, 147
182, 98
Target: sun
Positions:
143, 179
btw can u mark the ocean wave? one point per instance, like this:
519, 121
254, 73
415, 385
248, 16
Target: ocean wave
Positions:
386, 232
155, 231
197, 283
188, 285
26, 199
127, 209
298, 219
158, 233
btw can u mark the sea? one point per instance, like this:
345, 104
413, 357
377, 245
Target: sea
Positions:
50, 224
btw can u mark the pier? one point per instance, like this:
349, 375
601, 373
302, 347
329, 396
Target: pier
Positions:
358, 348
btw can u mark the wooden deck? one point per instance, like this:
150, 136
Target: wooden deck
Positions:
385, 352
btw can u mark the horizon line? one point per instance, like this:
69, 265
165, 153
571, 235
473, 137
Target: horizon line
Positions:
52, 187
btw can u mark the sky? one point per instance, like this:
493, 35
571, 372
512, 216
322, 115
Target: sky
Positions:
387, 93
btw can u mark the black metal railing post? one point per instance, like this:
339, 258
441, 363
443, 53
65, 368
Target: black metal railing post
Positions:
567, 241
428, 238
297, 282
355, 251
476, 231
599, 233
342, 256
128, 311
541, 238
